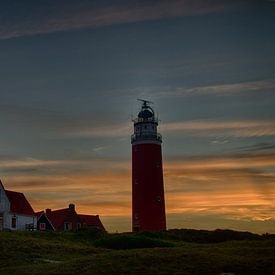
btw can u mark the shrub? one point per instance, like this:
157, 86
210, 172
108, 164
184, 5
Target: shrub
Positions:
128, 241
205, 236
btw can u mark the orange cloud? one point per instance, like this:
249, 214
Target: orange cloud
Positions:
235, 187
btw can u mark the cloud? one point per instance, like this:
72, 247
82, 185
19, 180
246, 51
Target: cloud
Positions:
252, 86
52, 16
111, 130
34, 117
206, 128
239, 188
69, 167
224, 128
29, 162
219, 89
213, 221
191, 182
56, 124
236, 161
220, 181
177, 92
264, 146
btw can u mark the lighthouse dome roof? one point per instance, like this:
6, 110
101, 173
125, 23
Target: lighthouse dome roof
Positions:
145, 114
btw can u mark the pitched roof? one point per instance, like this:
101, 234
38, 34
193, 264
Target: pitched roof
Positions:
19, 203
57, 217
39, 213
91, 220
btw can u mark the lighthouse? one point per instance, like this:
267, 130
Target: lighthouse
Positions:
148, 205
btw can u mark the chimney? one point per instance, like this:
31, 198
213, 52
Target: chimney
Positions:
48, 211
72, 207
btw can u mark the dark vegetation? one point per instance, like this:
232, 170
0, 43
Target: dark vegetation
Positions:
182, 251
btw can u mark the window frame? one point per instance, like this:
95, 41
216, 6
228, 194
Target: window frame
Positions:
41, 225
68, 226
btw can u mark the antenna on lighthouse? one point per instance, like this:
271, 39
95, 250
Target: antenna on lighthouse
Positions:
145, 102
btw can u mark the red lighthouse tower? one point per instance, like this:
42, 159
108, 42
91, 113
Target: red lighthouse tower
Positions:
148, 203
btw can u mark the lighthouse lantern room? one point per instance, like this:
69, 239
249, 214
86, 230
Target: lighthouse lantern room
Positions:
148, 205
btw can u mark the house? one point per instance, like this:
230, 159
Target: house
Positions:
66, 219
16, 212
89, 221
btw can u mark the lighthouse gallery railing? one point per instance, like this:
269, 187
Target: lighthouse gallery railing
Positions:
144, 136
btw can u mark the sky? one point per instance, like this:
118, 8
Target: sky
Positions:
70, 74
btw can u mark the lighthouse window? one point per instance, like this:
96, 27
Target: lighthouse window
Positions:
136, 182
158, 199
136, 216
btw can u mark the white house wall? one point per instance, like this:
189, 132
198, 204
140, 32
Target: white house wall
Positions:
4, 207
21, 221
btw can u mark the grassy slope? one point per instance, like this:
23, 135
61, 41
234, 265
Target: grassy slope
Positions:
72, 253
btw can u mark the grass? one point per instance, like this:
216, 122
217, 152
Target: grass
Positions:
172, 252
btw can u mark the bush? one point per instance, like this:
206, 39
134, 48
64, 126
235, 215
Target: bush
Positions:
89, 234
128, 241
205, 236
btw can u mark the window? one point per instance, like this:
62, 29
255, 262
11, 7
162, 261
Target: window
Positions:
158, 199
67, 226
13, 222
78, 225
42, 226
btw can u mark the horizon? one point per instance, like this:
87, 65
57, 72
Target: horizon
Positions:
70, 76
